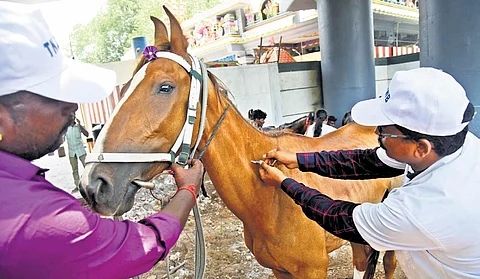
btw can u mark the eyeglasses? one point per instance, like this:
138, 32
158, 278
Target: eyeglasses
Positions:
378, 131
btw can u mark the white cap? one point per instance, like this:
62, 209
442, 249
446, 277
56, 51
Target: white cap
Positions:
30, 60
423, 100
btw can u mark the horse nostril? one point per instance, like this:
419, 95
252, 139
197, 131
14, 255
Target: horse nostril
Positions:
103, 186
98, 190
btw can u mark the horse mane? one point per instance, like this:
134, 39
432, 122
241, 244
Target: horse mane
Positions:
224, 93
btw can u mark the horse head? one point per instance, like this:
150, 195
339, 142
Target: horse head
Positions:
147, 121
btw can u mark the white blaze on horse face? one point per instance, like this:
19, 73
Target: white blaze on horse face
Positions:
137, 78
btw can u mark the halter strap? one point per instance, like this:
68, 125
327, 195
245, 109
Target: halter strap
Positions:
186, 134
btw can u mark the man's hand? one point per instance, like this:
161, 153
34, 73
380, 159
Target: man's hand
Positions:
78, 121
289, 159
271, 175
193, 175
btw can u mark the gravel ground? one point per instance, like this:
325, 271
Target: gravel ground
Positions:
227, 255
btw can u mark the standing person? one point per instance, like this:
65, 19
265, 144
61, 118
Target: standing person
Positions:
76, 150
431, 221
45, 232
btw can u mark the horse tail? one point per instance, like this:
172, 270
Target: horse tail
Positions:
371, 264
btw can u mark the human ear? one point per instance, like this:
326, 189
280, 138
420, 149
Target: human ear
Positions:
424, 148
6, 123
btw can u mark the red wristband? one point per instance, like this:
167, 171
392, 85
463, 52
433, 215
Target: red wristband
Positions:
191, 189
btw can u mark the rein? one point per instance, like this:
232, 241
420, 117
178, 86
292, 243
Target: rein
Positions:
199, 75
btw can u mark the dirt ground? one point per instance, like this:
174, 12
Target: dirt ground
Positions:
227, 255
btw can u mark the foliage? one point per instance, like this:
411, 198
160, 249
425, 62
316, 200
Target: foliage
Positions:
109, 35
193, 7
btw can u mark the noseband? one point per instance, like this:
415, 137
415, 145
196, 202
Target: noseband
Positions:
198, 75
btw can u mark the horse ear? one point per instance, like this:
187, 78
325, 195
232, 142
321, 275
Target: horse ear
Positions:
178, 41
161, 33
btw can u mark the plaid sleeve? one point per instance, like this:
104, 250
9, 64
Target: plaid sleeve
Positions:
346, 164
332, 215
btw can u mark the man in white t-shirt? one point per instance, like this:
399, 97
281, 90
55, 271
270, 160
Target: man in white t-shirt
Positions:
431, 222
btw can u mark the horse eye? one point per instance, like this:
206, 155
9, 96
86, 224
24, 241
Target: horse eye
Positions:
165, 89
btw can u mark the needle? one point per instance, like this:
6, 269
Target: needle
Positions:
259, 162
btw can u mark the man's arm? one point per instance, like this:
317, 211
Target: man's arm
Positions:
84, 245
347, 164
334, 216
82, 129
384, 226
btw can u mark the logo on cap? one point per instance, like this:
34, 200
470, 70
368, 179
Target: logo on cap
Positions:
387, 96
51, 46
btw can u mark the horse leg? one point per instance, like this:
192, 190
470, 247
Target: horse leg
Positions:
359, 258
389, 264
303, 273
282, 275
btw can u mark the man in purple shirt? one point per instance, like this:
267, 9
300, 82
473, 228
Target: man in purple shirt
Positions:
45, 232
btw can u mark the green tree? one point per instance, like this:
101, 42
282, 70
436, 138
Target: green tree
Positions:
109, 35
194, 7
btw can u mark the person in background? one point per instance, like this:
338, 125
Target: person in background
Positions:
331, 121
319, 127
347, 118
76, 150
309, 122
45, 231
431, 220
257, 118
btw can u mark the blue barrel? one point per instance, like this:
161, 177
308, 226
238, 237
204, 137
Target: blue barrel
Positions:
139, 44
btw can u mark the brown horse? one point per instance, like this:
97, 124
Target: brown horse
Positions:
297, 126
150, 118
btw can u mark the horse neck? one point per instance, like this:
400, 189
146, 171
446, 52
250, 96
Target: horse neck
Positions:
227, 158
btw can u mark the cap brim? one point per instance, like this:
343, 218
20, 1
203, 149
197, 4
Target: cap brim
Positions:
370, 113
78, 83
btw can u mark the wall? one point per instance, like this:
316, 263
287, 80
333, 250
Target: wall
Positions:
253, 86
300, 89
284, 91
385, 68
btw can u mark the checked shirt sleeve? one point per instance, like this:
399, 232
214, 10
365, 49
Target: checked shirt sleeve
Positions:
333, 215
347, 164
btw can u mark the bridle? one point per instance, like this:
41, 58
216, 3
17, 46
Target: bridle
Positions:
198, 75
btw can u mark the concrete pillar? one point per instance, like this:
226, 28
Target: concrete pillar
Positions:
450, 40
346, 43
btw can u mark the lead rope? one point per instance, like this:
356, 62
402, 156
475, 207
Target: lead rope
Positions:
200, 250
200, 260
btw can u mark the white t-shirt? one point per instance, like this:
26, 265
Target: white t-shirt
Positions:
310, 130
432, 221
325, 130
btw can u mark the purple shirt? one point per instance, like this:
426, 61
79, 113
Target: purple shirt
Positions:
46, 233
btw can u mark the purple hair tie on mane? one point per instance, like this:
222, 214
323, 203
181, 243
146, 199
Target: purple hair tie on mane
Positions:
150, 53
